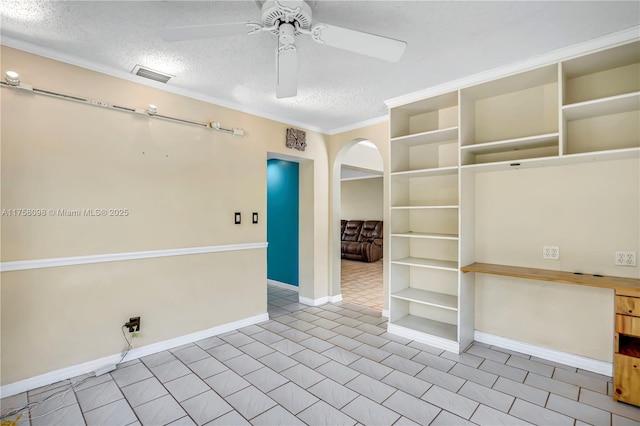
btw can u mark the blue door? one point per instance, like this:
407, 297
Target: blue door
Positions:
282, 221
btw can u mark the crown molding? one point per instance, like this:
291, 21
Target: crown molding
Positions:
548, 58
359, 125
114, 72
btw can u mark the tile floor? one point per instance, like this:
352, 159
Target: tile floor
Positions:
329, 365
361, 283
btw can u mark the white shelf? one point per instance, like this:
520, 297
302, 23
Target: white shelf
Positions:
529, 142
422, 207
425, 235
440, 171
445, 265
434, 136
439, 300
424, 325
583, 157
611, 105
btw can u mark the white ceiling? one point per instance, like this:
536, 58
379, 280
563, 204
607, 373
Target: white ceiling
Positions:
336, 89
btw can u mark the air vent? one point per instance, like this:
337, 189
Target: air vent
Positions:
151, 74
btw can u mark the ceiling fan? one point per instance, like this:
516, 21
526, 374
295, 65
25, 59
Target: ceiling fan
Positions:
288, 19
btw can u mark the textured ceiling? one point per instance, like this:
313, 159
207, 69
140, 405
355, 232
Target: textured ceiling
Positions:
336, 89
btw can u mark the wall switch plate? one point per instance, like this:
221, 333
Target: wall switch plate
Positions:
625, 258
551, 252
237, 218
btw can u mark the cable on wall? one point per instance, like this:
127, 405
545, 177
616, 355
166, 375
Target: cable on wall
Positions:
12, 81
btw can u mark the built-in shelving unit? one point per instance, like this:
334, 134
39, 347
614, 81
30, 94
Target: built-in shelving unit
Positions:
578, 110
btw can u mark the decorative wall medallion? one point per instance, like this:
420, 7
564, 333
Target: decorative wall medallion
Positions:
296, 139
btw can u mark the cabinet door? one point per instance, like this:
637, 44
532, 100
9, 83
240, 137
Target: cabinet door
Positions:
626, 379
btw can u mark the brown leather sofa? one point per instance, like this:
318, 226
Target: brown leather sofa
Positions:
361, 240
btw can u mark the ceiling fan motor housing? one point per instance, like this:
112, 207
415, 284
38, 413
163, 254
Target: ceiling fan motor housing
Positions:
279, 12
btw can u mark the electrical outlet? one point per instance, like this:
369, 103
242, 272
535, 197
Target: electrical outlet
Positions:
133, 324
625, 258
551, 252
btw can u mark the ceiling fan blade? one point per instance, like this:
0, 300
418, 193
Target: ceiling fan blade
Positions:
205, 31
286, 71
380, 47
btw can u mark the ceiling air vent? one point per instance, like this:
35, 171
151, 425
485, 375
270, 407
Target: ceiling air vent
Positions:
151, 74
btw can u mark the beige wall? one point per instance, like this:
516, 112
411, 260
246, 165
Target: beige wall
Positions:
362, 199
588, 210
181, 185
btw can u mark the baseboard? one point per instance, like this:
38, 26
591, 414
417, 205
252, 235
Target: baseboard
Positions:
283, 285
320, 301
578, 361
313, 302
90, 366
385, 313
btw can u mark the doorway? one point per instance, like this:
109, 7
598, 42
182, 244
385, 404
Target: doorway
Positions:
361, 199
283, 221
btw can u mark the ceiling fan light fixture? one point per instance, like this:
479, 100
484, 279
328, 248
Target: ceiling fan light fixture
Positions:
145, 72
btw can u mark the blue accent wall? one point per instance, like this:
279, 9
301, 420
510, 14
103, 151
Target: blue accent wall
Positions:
282, 221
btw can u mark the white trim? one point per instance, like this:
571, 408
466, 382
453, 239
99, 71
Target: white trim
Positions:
167, 87
427, 339
360, 125
313, 302
578, 361
548, 58
385, 313
20, 265
335, 299
88, 367
286, 286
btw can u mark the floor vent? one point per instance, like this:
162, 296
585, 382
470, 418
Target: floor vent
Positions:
151, 74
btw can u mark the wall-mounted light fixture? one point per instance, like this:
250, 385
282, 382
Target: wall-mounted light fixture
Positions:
12, 78
152, 109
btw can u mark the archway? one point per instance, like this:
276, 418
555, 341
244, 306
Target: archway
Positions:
363, 163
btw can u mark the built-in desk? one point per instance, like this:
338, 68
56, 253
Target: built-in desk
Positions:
626, 364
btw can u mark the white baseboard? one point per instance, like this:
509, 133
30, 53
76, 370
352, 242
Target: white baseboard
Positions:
313, 302
88, 367
578, 361
385, 313
283, 285
320, 301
